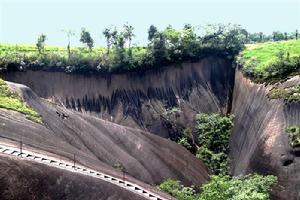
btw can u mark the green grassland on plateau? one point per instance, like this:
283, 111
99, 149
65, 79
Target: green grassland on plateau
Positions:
165, 47
271, 60
10, 100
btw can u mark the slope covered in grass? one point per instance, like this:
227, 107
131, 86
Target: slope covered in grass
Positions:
10, 100
266, 61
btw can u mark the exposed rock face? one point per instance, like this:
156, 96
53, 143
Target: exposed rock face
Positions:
259, 142
100, 144
27, 181
141, 100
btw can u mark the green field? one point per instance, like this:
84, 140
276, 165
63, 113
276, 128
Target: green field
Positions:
270, 60
29, 52
10, 100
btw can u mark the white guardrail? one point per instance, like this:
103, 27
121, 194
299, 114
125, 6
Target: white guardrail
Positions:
67, 165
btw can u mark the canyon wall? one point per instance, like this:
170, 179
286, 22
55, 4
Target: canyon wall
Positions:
165, 100
259, 142
100, 144
141, 100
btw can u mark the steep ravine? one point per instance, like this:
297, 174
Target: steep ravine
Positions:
97, 144
140, 100
259, 141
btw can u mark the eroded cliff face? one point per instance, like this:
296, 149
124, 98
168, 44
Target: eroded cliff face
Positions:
259, 142
99, 144
141, 100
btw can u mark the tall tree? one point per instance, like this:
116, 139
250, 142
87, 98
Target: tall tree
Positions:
41, 43
261, 35
152, 31
285, 36
110, 35
296, 34
69, 34
119, 56
159, 49
128, 34
85, 37
278, 36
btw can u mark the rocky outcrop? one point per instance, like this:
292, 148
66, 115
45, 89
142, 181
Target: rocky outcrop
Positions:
259, 142
140, 100
100, 144
26, 180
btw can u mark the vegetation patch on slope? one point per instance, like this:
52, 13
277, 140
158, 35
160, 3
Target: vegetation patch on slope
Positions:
213, 136
290, 94
270, 60
10, 100
294, 136
250, 187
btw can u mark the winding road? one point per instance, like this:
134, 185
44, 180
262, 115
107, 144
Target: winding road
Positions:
67, 165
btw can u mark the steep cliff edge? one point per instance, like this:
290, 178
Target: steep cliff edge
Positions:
259, 142
99, 144
141, 100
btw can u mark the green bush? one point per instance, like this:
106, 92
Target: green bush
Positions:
213, 137
250, 187
177, 190
224, 187
184, 142
290, 94
294, 136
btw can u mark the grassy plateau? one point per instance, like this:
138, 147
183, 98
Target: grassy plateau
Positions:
271, 60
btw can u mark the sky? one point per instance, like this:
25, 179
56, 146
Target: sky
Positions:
21, 21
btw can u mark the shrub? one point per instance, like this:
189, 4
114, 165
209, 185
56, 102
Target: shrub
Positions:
177, 190
184, 142
213, 138
294, 136
290, 94
249, 187
224, 187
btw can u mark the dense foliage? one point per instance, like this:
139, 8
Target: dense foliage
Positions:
272, 60
180, 192
290, 94
164, 47
223, 187
10, 100
294, 136
213, 137
250, 187
275, 36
